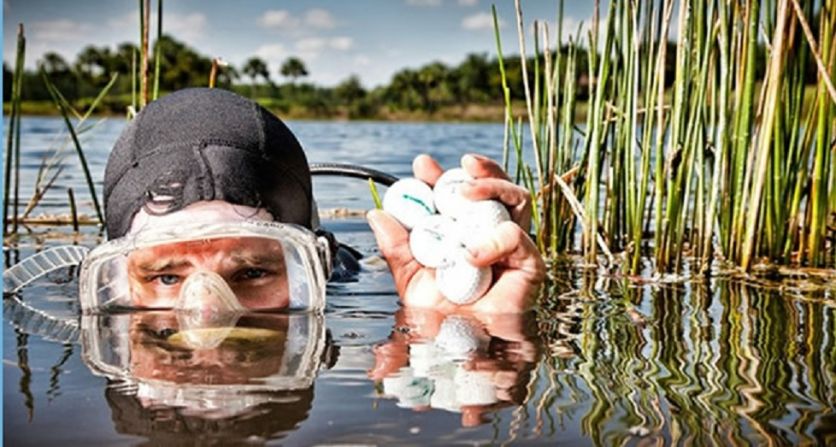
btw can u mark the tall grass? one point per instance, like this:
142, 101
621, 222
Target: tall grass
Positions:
716, 164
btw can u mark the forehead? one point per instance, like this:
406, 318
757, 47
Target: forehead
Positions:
226, 246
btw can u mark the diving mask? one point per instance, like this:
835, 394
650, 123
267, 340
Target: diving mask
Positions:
251, 265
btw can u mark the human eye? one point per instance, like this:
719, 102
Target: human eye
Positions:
164, 279
252, 273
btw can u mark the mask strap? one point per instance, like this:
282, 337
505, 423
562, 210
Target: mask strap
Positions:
36, 266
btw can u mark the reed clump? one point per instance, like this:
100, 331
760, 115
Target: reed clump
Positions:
719, 163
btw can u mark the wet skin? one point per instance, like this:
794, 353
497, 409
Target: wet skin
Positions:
254, 268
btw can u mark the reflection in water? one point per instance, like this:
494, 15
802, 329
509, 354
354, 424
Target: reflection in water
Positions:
686, 364
468, 364
255, 383
604, 362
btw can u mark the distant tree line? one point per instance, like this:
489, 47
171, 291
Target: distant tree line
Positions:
475, 81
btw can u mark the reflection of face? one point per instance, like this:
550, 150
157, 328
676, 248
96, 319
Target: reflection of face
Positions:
253, 267
155, 354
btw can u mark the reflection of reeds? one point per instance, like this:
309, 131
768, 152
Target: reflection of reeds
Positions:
703, 364
741, 167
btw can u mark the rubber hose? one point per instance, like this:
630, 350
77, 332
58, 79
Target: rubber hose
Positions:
349, 170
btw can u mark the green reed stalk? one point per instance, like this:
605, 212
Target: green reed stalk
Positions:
824, 123
595, 144
765, 137
157, 49
13, 138
62, 107
506, 93
144, 13
73, 210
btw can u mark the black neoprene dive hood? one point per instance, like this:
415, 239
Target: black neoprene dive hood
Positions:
205, 144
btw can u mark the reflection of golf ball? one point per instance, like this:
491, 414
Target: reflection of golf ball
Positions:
411, 391
432, 239
460, 282
446, 191
409, 200
460, 336
474, 388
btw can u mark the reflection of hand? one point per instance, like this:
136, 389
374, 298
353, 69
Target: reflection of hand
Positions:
518, 267
504, 363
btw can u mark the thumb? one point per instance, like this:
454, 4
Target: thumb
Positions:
393, 242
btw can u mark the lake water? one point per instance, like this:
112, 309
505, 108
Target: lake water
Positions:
605, 361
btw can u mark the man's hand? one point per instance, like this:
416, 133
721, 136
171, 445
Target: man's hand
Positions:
518, 267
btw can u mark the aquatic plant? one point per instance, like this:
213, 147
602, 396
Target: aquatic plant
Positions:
718, 162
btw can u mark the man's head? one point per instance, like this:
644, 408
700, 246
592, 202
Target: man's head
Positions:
205, 145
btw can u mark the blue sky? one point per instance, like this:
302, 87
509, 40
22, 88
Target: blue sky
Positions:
370, 38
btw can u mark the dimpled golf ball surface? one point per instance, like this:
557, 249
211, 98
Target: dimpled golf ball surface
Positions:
459, 281
446, 191
432, 239
409, 200
482, 214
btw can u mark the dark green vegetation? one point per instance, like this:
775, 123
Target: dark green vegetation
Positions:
469, 91
725, 164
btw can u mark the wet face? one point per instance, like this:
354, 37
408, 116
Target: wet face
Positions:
254, 268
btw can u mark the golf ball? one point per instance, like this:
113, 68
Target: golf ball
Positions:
432, 238
478, 218
409, 200
446, 194
459, 281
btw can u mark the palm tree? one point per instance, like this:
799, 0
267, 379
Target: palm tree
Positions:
293, 68
255, 68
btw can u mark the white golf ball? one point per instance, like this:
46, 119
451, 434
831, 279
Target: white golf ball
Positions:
482, 214
446, 192
460, 282
409, 200
432, 239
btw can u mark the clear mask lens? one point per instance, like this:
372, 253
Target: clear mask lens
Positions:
253, 266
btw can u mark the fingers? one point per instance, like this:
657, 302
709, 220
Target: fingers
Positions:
479, 166
426, 169
515, 197
508, 244
393, 241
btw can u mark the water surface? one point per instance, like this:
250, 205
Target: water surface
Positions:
605, 362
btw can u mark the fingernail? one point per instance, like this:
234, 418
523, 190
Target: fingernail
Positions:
371, 218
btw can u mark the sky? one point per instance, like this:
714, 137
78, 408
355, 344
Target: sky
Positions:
372, 39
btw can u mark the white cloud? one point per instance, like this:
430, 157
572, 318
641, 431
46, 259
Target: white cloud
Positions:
480, 21
362, 60
187, 27
278, 19
311, 48
468, 2
61, 30
341, 43
272, 53
423, 3
284, 20
319, 18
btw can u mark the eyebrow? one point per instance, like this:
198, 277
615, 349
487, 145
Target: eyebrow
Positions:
163, 265
243, 258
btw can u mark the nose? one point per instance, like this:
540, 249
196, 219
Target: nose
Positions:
207, 310
207, 293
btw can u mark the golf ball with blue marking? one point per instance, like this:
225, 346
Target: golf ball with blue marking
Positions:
409, 200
